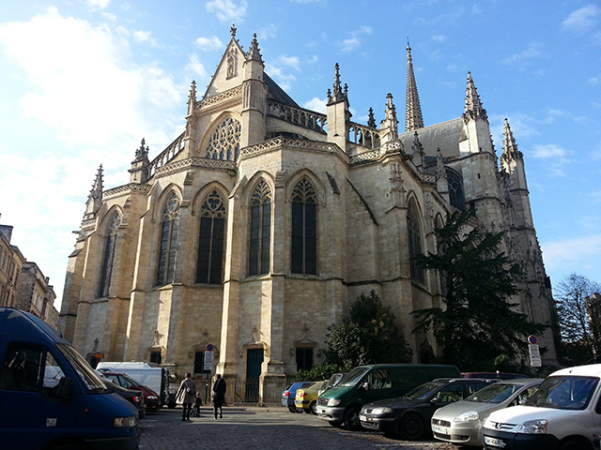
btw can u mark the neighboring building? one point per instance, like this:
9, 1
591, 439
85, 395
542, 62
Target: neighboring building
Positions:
36, 295
263, 222
11, 262
593, 307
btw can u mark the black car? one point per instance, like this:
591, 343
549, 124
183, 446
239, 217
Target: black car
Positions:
134, 397
409, 416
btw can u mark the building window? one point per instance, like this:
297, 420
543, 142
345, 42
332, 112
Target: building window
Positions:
415, 242
304, 229
456, 195
168, 244
199, 363
156, 357
304, 358
109, 256
260, 230
211, 240
225, 141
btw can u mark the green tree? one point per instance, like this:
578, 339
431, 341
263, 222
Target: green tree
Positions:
369, 336
478, 326
579, 335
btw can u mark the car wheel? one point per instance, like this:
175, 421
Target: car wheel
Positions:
351, 419
412, 427
574, 445
312, 408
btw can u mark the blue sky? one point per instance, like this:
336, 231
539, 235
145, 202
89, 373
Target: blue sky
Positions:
83, 81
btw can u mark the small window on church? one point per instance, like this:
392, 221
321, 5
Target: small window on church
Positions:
225, 141
456, 195
304, 358
211, 241
260, 230
155, 357
415, 242
304, 229
168, 244
108, 260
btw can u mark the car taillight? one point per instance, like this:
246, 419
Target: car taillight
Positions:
287, 393
136, 399
302, 394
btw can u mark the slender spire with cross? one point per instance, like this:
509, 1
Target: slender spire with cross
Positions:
413, 116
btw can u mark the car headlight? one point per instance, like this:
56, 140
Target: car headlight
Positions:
125, 422
382, 410
468, 416
333, 401
538, 426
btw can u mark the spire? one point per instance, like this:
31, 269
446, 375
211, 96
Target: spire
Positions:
337, 95
390, 122
95, 197
371, 122
417, 150
141, 153
510, 148
253, 51
192, 98
473, 106
139, 166
413, 115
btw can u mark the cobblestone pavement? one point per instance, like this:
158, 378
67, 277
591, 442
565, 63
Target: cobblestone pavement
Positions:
261, 428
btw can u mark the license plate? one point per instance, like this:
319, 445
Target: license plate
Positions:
439, 429
494, 442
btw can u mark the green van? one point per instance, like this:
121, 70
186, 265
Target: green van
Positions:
364, 384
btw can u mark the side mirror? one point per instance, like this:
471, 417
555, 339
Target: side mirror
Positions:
65, 389
436, 400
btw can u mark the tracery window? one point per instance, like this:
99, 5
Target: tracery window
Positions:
225, 141
109, 255
415, 242
304, 228
209, 269
168, 244
456, 195
260, 230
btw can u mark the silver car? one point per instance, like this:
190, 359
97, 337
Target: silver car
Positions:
461, 422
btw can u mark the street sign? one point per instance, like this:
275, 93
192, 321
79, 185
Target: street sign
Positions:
534, 350
208, 365
535, 361
532, 339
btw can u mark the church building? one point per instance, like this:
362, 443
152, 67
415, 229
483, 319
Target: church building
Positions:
259, 226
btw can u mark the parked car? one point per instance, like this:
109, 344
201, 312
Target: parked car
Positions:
497, 375
342, 403
564, 413
289, 394
306, 399
409, 416
151, 398
331, 382
134, 397
461, 422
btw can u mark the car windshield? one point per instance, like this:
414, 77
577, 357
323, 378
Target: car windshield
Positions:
495, 393
353, 377
564, 392
422, 392
90, 379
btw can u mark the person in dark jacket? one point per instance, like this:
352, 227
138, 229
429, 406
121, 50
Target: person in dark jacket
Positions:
219, 388
186, 395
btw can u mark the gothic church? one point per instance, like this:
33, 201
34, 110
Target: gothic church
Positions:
263, 221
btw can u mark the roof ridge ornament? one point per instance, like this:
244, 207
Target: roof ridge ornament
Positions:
233, 31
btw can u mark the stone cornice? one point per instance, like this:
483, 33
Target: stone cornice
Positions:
297, 144
184, 164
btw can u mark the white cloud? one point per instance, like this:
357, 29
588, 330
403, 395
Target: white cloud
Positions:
439, 38
97, 4
208, 44
570, 253
351, 44
317, 104
291, 61
583, 19
533, 50
197, 68
283, 79
267, 32
548, 151
227, 10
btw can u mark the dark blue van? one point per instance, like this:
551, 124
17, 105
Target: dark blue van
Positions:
50, 398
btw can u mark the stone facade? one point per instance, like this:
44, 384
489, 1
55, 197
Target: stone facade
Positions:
263, 221
11, 262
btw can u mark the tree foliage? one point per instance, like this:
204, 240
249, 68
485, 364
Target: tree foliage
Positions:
580, 341
369, 336
478, 325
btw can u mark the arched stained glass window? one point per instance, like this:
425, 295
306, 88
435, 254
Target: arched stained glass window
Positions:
109, 255
260, 230
415, 242
225, 141
168, 244
456, 195
304, 228
211, 240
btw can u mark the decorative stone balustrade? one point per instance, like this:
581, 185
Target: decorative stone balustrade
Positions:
166, 155
298, 116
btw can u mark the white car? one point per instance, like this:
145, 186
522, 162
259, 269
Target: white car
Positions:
564, 413
461, 422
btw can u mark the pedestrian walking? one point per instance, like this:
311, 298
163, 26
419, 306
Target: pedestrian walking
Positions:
197, 404
219, 388
186, 395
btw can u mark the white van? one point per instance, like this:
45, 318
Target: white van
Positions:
150, 375
563, 414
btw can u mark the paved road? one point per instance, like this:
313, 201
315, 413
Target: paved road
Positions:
261, 428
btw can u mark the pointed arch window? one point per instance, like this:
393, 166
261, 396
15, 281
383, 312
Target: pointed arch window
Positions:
260, 230
168, 244
209, 268
304, 229
225, 141
415, 242
456, 195
108, 260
